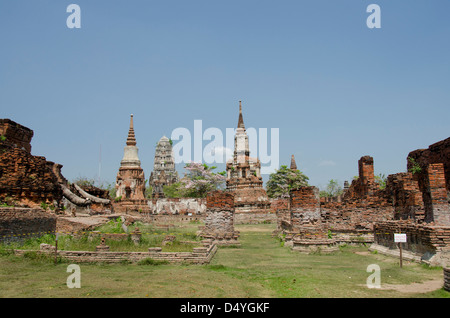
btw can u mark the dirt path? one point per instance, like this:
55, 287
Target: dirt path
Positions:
425, 287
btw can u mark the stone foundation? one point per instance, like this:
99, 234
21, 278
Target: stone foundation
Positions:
199, 255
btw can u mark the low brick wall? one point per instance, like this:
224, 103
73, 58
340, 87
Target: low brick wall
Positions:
199, 255
23, 223
425, 243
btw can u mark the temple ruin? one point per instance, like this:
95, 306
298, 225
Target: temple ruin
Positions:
130, 181
244, 179
415, 202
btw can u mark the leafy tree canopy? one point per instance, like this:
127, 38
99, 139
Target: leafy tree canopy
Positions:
282, 181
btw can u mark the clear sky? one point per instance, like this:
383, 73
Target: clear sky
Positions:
334, 88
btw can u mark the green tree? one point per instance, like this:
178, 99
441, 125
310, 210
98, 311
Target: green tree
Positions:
200, 179
415, 167
381, 179
282, 181
333, 189
173, 191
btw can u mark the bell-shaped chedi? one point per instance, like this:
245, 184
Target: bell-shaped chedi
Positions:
130, 181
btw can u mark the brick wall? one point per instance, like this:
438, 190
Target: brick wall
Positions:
305, 206
438, 152
219, 213
17, 136
27, 178
219, 220
406, 197
220, 201
199, 255
435, 196
19, 223
430, 242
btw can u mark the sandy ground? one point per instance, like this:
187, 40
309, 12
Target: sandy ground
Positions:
424, 287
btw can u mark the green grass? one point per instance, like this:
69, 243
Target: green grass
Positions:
151, 237
259, 268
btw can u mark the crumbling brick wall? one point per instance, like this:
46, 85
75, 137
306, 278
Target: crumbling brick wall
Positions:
24, 179
406, 197
435, 195
21, 223
362, 204
219, 220
27, 179
15, 135
438, 152
305, 206
220, 212
429, 243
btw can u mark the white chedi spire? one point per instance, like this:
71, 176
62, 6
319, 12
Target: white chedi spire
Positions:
130, 153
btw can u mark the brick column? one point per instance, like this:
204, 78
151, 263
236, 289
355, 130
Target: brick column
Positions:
305, 206
219, 221
435, 196
219, 212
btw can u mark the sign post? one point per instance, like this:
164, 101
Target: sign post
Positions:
56, 248
400, 238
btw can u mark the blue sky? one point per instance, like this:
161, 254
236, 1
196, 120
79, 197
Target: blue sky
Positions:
336, 89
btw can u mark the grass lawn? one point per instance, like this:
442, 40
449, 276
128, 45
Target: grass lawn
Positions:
261, 267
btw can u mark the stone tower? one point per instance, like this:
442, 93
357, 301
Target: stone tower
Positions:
130, 181
243, 171
244, 179
293, 164
164, 172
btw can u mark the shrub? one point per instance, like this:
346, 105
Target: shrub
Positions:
151, 261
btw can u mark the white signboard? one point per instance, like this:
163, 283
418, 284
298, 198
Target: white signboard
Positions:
400, 238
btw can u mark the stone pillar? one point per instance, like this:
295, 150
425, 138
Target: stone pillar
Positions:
435, 196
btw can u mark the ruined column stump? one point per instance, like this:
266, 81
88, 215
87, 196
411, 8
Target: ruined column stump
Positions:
219, 221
